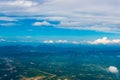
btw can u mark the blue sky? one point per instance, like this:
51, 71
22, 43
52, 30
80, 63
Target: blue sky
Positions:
77, 20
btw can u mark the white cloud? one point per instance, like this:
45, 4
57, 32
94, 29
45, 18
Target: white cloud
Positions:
48, 41
113, 69
75, 42
55, 41
61, 41
79, 14
44, 23
21, 3
105, 40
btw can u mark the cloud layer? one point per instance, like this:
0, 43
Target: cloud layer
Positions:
105, 40
102, 15
57, 41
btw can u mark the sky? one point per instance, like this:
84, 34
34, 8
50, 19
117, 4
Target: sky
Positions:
73, 20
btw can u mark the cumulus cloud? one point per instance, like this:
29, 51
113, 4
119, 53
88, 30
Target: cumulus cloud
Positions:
44, 23
105, 40
113, 69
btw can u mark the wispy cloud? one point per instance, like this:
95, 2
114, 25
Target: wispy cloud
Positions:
2, 40
7, 24
7, 19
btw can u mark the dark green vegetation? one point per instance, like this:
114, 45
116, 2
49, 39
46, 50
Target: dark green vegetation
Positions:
59, 62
